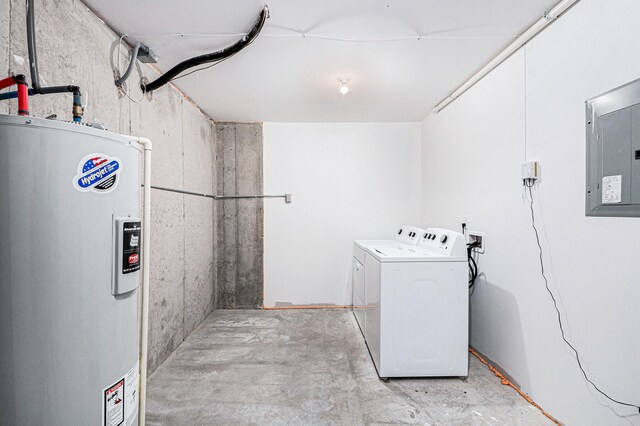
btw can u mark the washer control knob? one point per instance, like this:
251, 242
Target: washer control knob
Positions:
443, 239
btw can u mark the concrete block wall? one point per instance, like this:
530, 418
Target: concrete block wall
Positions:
75, 47
239, 223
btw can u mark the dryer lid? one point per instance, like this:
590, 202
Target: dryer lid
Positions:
405, 253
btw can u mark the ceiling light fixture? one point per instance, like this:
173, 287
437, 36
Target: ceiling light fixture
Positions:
344, 89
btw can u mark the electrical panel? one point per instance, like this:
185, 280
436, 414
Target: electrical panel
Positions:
613, 152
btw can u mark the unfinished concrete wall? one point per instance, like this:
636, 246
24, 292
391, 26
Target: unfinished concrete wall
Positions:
5, 12
75, 47
239, 223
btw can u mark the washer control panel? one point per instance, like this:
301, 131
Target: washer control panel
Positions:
443, 241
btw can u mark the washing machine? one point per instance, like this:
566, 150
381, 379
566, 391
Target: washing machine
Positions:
407, 236
414, 309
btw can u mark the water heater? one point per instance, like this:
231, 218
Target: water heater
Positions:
70, 256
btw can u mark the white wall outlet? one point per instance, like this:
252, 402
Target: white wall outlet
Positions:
530, 170
476, 237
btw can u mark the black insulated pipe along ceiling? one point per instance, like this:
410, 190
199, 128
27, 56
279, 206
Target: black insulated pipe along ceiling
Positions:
217, 56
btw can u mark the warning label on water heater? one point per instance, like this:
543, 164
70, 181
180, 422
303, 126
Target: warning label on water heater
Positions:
114, 404
130, 247
120, 400
97, 173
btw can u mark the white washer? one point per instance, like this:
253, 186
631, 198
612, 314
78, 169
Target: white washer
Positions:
415, 307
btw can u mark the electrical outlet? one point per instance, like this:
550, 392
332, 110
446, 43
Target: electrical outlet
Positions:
464, 222
476, 237
530, 170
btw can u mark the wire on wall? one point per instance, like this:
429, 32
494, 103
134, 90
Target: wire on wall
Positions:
128, 90
529, 183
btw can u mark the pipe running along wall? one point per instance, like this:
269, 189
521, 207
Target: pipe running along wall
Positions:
146, 256
214, 57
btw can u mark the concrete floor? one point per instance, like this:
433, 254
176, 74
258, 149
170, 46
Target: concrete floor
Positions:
311, 367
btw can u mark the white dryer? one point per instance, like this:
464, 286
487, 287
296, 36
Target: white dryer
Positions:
407, 236
414, 310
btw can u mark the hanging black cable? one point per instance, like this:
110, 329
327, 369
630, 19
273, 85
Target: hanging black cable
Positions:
473, 265
529, 184
203, 68
210, 57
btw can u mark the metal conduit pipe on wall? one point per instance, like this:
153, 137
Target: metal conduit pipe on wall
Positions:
287, 197
531, 32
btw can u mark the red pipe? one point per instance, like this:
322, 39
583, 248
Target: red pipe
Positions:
7, 82
23, 99
23, 91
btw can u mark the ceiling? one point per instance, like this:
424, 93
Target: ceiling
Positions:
402, 56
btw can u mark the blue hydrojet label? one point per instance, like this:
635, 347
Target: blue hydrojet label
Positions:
97, 173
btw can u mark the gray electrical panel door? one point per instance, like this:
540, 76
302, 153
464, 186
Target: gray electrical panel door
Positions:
615, 137
613, 152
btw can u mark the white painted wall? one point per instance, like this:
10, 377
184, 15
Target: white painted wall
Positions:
471, 159
349, 181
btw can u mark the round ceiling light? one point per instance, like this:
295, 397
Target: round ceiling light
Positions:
344, 88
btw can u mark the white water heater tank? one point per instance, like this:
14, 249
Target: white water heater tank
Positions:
70, 256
